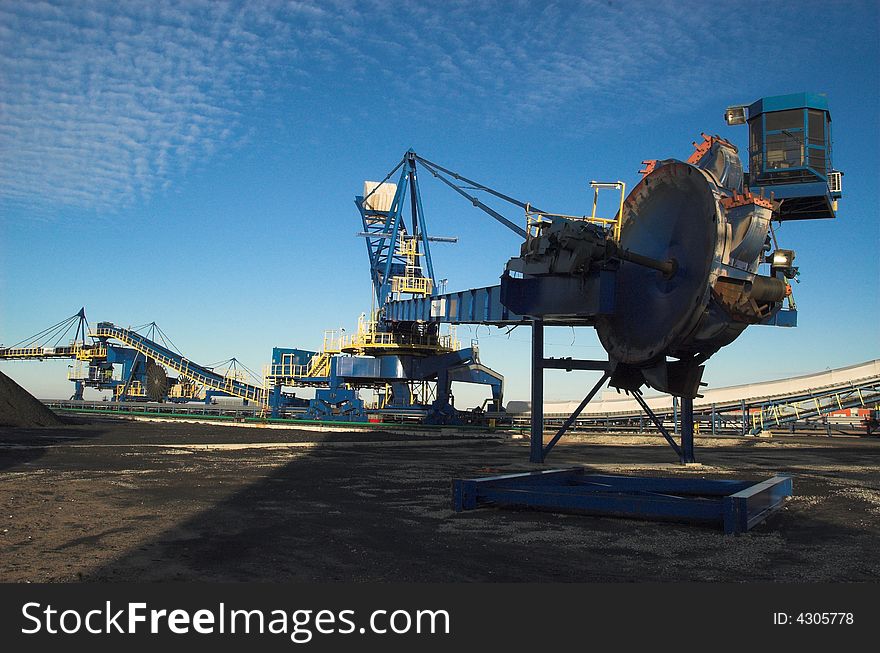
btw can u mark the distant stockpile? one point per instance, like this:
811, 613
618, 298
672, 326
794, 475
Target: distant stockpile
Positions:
18, 407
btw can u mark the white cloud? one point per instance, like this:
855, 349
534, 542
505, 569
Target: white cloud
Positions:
103, 103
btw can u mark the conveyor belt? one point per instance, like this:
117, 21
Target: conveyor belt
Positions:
181, 365
769, 403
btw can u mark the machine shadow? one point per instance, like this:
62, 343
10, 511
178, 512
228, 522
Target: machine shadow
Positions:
332, 514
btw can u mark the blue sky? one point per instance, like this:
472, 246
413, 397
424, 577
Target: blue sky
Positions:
195, 163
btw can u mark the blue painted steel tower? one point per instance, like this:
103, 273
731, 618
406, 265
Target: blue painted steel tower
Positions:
408, 364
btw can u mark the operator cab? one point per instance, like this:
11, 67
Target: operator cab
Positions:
790, 153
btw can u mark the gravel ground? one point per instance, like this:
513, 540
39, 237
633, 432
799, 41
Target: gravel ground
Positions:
154, 501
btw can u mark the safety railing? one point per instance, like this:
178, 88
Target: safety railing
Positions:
69, 351
76, 373
76, 350
319, 365
91, 353
412, 285
370, 338
536, 220
83, 372
286, 370
135, 389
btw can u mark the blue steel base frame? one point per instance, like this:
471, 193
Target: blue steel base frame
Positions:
735, 506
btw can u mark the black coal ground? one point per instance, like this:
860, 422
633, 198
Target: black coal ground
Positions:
158, 501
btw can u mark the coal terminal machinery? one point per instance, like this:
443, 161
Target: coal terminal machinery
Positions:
687, 263
134, 370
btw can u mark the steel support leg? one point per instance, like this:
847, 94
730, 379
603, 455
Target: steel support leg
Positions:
536, 450
714, 417
135, 367
657, 422
675, 416
574, 415
687, 430
275, 401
